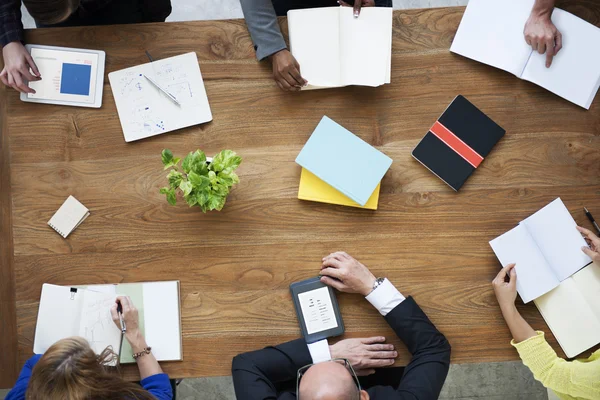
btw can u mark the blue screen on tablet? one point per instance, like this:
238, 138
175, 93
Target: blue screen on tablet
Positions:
75, 79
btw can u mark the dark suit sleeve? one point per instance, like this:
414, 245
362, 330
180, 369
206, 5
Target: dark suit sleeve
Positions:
260, 374
424, 376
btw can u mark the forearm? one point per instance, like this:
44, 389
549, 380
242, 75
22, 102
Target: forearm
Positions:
147, 363
543, 7
519, 328
263, 27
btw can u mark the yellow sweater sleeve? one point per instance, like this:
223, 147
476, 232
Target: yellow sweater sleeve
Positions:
578, 379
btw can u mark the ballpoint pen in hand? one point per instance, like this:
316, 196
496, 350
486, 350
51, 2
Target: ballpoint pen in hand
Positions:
120, 312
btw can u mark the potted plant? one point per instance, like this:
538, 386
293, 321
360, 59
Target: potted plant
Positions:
204, 182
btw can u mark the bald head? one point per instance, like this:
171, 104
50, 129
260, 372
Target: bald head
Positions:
328, 381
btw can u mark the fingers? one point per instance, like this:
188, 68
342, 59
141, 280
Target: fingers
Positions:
20, 84
357, 6
331, 262
113, 313
541, 47
503, 272
590, 253
3, 77
295, 73
32, 65
513, 277
373, 340
549, 52
557, 42
379, 362
334, 283
343, 3
586, 232
534, 44
380, 347
24, 70
383, 355
126, 303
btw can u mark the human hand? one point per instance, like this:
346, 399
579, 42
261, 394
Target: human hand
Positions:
17, 65
365, 354
541, 34
286, 71
357, 5
593, 241
131, 320
341, 271
506, 292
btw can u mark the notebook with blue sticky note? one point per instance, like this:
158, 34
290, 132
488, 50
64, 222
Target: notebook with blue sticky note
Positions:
344, 161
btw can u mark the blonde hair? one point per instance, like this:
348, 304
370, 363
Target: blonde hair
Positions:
70, 370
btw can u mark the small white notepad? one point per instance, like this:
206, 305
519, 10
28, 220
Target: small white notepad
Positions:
335, 49
145, 111
68, 217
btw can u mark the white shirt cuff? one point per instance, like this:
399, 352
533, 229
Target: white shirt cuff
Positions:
319, 351
385, 297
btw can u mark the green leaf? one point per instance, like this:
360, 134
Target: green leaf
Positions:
224, 160
175, 178
202, 198
198, 181
212, 176
191, 200
214, 202
198, 163
187, 161
172, 197
164, 190
167, 156
186, 187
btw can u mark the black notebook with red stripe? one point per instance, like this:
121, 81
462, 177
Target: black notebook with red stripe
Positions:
458, 142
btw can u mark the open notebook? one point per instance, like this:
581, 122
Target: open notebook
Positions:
572, 311
491, 32
145, 111
546, 248
85, 311
335, 49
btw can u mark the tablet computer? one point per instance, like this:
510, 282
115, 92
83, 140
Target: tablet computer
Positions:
317, 310
70, 77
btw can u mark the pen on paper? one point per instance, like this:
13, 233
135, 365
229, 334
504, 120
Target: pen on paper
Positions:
169, 95
120, 312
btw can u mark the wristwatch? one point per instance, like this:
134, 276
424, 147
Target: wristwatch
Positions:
378, 282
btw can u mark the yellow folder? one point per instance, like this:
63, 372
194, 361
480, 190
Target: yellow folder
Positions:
314, 189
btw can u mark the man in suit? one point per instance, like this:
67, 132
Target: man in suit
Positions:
271, 373
261, 18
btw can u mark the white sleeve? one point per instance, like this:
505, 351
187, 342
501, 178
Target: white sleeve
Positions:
385, 297
319, 351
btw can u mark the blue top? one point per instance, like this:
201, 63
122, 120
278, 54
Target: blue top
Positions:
158, 385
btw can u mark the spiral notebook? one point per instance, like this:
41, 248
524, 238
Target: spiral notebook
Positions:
68, 217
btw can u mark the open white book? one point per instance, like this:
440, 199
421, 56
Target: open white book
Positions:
335, 49
491, 32
66, 312
546, 248
85, 311
572, 311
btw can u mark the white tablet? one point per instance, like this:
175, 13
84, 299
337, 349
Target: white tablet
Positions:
70, 77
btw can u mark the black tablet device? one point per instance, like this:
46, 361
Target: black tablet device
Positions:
317, 310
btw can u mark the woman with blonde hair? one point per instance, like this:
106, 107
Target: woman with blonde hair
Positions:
569, 380
70, 370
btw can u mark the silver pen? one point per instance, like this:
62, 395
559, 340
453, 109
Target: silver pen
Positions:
169, 95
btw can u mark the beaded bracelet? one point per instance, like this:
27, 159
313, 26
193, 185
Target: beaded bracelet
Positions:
142, 353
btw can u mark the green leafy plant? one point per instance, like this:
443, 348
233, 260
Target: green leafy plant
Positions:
203, 184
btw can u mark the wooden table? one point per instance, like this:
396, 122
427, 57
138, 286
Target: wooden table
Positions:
235, 266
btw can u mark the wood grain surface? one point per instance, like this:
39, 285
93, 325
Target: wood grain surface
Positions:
235, 266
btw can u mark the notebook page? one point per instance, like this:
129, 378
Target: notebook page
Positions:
534, 276
575, 70
146, 111
554, 230
162, 319
96, 324
491, 32
58, 316
588, 283
68, 217
315, 43
365, 45
570, 318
